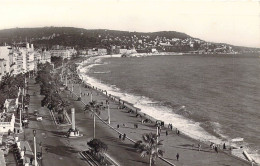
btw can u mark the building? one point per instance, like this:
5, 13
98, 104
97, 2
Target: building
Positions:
42, 57
21, 59
3, 67
120, 51
92, 51
45, 57
4, 52
7, 121
64, 53
102, 51
83, 52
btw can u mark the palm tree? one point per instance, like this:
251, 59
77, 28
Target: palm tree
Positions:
94, 107
97, 148
149, 147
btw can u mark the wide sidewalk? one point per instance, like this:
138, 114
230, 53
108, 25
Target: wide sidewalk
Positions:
55, 152
172, 144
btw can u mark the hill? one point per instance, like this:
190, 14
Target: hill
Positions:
69, 36
89, 38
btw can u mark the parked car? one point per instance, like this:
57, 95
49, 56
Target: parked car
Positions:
39, 118
35, 112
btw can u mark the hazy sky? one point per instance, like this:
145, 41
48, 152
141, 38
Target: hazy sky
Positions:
234, 22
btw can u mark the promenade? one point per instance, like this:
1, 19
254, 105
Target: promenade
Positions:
55, 151
60, 150
172, 143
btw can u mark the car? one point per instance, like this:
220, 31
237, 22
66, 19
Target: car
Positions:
35, 113
39, 118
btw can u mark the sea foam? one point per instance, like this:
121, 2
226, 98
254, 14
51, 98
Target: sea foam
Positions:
164, 113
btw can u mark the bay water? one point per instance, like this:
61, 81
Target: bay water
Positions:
208, 97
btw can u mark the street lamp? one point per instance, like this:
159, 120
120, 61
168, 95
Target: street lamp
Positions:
108, 111
66, 83
34, 140
94, 125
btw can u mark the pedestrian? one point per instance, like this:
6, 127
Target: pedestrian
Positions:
124, 136
199, 147
177, 156
224, 146
166, 132
118, 126
31, 160
120, 136
216, 149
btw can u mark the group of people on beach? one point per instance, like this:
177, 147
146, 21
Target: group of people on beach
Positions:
122, 137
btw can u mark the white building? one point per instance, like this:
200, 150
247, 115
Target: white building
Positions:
102, 51
64, 53
4, 52
7, 121
3, 66
42, 57
21, 59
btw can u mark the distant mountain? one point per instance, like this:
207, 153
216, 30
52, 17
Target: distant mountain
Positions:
84, 38
70, 36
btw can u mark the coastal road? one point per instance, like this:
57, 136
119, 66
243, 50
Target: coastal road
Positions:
56, 149
122, 152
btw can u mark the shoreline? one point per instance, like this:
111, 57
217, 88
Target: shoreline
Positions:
137, 110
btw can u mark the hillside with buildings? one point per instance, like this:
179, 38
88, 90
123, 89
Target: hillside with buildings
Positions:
80, 39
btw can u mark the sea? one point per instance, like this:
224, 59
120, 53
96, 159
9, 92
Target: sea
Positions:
212, 98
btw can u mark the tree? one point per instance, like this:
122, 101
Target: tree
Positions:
93, 107
149, 147
98, 148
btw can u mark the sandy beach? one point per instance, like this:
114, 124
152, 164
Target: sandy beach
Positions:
172, 143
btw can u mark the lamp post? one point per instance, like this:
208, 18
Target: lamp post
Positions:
108, 111
94, 125
80, 90
41, 147
21, 110
34, 140
157, 138
66, 83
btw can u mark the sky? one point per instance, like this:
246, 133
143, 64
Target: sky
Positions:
226, 21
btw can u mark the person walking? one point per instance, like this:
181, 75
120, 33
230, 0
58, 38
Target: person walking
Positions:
216, 149
199, 147
124, 136
166, 133
177, 156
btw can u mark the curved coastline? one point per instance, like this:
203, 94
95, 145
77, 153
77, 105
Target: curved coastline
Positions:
199, 135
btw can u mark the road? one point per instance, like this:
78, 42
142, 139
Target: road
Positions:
61, 151
56, 152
